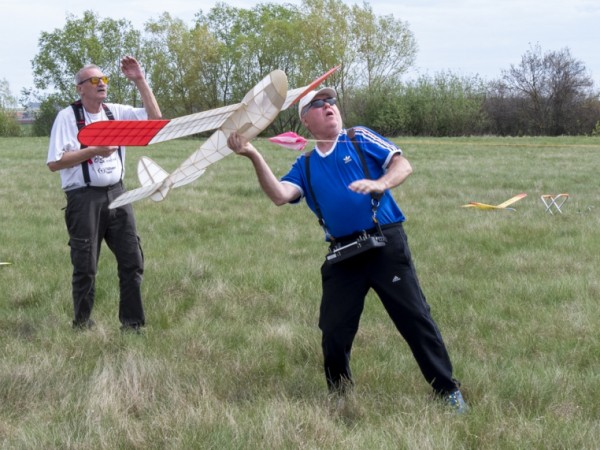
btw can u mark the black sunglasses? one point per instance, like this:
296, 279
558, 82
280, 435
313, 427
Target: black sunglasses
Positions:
319, 103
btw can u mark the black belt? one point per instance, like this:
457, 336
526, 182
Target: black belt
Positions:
371, 231
106, 188
99, 188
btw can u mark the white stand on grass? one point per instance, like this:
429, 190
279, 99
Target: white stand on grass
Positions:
554, 201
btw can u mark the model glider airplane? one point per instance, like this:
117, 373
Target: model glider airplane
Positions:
505, 205
256, 111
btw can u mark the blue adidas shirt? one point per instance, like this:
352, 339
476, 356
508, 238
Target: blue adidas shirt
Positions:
346, 212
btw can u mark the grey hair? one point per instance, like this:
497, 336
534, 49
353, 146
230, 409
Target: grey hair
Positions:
83, 69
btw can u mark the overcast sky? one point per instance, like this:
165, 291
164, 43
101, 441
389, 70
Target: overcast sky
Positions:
467, 37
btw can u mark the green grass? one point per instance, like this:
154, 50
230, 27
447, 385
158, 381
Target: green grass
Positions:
231, 355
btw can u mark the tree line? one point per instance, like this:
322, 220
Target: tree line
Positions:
227, 50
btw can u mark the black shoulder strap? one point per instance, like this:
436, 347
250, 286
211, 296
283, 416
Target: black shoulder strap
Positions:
312, 194
79, 116
352, 136
108, 112
80, 119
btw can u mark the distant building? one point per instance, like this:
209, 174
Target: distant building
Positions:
27, 115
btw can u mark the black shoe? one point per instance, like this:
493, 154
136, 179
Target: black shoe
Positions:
84, 324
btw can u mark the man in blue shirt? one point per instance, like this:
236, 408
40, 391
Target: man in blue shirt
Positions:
351, 197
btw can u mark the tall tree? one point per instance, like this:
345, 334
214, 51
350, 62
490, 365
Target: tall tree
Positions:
87, 40
373, 51
221, 23
181, 59
253, 43
327, 40
386, 48
550, 87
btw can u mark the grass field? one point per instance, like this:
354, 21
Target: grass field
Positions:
231, 355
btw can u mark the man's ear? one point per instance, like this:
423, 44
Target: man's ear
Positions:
303, 122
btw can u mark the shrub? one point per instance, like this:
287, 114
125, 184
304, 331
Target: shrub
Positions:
9, 127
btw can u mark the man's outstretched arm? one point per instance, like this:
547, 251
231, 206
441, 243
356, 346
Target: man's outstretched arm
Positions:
279, 193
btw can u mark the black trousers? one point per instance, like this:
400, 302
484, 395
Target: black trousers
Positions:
390, 272
89, 222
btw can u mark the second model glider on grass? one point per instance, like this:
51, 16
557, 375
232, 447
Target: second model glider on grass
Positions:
505, 205
256, 111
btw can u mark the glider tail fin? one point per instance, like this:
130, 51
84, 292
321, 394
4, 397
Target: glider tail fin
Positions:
155, 183
149, 172
151, 177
